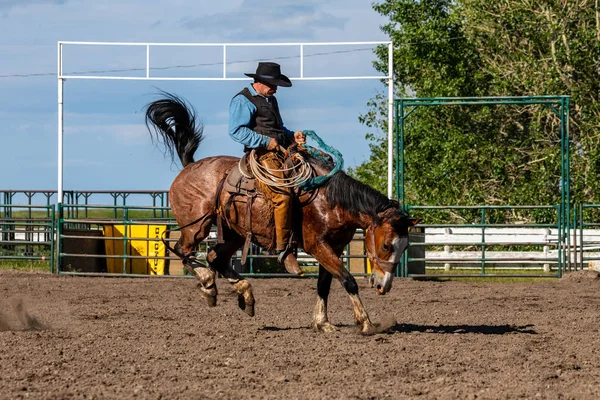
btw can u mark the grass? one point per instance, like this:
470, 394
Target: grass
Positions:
109, 213
92, 213
25, 265
504, 279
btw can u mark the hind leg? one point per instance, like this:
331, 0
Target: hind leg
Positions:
219, 258
190, 237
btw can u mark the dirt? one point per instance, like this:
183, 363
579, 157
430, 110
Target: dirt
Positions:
113, 338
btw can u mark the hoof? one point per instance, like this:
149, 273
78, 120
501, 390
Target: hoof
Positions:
325, 327
211, 301
248, 308
368, 330
209, 295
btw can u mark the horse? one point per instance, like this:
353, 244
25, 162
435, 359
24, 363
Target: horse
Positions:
325, 219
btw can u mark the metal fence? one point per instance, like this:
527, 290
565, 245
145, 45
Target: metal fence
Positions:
559, 106
122, 238
27, 233
478, 246
128, 240
586, 237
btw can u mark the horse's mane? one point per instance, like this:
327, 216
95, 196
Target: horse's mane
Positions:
356, 197
348, 193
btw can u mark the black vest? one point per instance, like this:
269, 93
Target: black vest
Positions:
266, 120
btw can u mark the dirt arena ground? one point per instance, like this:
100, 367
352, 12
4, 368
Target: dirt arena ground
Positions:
107, 338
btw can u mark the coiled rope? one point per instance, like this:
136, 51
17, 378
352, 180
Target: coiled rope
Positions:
271, 177
303, 178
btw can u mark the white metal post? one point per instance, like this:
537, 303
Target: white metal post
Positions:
61, 82
147, 61
301, 61
390, 119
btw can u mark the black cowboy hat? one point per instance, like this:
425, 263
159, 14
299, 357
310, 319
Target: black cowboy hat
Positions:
270, 72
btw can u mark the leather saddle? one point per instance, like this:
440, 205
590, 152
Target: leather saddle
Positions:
240, 179
239, 182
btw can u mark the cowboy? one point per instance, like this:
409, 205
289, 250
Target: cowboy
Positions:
255, 122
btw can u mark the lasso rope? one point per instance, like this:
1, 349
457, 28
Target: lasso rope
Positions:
270, 177
302, 179
318, 181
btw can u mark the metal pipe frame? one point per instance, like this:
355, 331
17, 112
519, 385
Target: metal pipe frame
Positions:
560, 105
147, 45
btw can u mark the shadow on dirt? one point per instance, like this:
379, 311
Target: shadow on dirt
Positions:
393, 327
463, 329
276, 328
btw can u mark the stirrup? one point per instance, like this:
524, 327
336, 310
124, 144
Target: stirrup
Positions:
284, 253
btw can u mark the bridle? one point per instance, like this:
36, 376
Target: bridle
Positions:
370, 233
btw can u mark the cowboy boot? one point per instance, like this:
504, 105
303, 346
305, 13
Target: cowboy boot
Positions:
282, 203
288, 259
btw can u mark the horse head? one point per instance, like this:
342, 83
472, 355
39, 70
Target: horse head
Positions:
386, 240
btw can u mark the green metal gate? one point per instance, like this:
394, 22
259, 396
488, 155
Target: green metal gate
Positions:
559, 105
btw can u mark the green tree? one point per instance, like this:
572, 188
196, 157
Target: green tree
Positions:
489, 155
547, 47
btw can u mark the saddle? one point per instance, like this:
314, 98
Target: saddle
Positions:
240, 179
239, 182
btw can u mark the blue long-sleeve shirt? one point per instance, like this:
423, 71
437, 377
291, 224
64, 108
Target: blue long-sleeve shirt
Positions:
241, 111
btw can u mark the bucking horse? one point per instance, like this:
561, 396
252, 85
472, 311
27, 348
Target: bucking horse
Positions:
325, 220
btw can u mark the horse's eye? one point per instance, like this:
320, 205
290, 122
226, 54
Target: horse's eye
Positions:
387, 248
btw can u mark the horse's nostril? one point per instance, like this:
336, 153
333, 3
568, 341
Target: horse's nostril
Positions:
379, 288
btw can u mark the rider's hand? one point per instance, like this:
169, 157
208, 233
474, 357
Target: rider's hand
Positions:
273, 144
299, 137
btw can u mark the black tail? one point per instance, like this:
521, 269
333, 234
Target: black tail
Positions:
172, 122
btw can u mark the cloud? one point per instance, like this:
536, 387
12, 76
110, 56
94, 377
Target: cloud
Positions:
7, 5
267, 21
127, 134
104, 119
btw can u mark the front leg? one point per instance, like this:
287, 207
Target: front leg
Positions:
330, 261
320, 320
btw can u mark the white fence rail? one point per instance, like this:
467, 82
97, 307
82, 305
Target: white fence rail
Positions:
464, 247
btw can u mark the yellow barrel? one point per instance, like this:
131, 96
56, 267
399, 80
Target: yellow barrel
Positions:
135, 247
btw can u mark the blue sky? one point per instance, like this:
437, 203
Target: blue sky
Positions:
106, 142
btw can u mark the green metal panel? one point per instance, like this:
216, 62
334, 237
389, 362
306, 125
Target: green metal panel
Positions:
560, 105
36, 227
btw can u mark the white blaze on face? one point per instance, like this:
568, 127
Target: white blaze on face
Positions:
397, 245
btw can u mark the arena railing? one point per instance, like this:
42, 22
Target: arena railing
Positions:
127, 240
586, 238
546, 248
27, 235
477, 245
